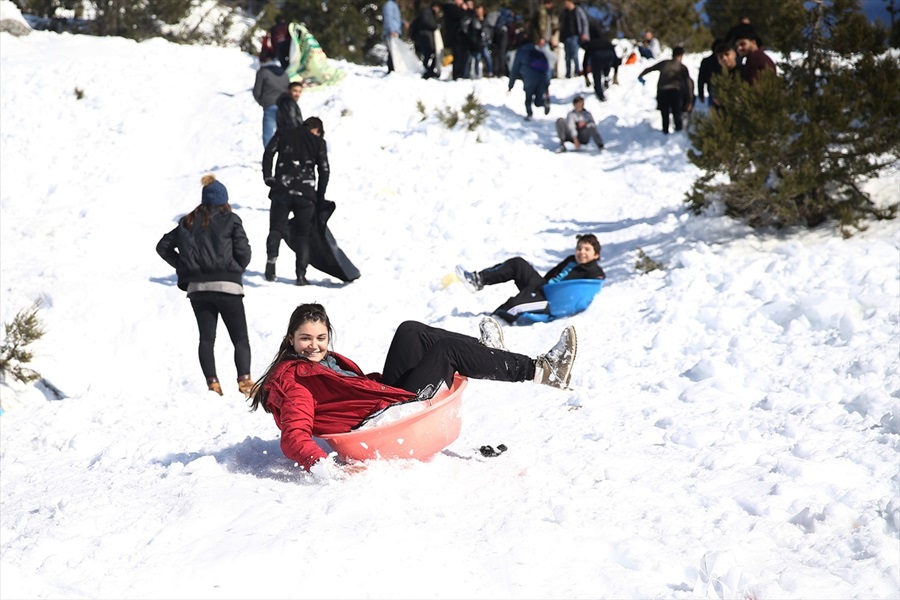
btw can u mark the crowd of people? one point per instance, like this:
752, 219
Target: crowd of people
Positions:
737, 54
309, 388
547, 42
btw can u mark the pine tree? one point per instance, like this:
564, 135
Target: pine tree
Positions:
24, 329
795, 149
138, 19
778, 22
674, 23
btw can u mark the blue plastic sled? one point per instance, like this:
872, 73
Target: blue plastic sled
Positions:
564, 299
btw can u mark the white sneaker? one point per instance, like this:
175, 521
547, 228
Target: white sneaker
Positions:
491, 334
470, 279
555, 367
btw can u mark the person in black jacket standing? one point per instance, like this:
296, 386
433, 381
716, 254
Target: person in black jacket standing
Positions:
454, 13
210, 251
424, 27
709, 67
294, 188
584, 264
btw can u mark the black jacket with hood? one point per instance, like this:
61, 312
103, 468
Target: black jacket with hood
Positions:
301, 155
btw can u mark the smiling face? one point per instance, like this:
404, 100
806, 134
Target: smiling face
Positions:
745, 46
585, 253
310, 340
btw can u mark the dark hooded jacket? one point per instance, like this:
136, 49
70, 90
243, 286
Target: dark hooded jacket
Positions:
288, 115
301, 156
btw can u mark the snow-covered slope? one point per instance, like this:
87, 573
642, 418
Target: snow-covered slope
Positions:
732, 430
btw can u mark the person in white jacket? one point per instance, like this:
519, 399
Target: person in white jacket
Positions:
650, 46
578, 127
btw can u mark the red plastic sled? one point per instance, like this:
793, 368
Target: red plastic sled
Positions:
420, 435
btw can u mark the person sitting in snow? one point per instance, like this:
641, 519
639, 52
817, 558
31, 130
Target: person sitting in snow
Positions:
578, 127
209, 251
311, 390
584, 264
649, 47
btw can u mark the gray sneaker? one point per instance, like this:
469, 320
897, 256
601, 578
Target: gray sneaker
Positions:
555, 367
491, 334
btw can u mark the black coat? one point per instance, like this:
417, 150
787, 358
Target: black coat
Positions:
453, 16
427, 24
218, 252
590, 270
301, 154
709, 66
324, 252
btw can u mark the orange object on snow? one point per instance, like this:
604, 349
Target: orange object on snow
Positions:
419, 435
632, 58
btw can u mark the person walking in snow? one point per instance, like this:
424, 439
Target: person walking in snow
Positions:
574, 32
422, 34
504, 21
280, 40
600, 54
674, 90
584, 264
209, 251
289, 114
454, 13
532, 67
297, 186
393, 27
578, 127
311, 390
271, 82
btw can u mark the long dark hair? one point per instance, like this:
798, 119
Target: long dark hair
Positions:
205, 213
305, 313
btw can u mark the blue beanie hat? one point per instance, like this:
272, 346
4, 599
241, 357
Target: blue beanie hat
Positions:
214, 193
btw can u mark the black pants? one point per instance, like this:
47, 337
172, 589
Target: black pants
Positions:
498, 54
304, 210
670, 101
207, 308
421, 355
460, 59
429, 60
602, 61
530, 283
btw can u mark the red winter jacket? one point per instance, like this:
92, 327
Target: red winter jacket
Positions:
308, 399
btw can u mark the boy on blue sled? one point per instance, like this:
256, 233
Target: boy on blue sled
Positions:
584, 264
